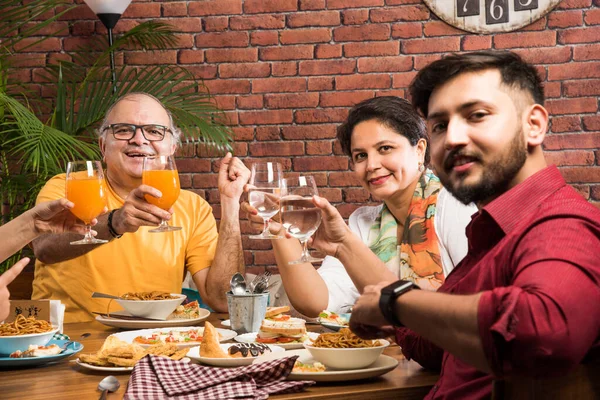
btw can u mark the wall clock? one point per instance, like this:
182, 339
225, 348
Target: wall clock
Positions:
484, 16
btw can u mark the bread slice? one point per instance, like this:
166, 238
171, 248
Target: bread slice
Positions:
273, 311
290, 327
210, 347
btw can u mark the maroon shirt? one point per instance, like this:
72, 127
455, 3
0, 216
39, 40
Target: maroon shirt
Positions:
534, 253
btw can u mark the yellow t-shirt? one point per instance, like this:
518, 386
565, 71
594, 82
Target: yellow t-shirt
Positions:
139, 261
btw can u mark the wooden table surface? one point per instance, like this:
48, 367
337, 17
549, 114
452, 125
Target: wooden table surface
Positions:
66, 380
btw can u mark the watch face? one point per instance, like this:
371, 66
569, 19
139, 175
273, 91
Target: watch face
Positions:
484, 16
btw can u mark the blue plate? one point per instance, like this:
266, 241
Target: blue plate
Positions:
75, 347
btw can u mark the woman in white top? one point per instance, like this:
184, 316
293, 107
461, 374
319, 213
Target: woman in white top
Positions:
418, 233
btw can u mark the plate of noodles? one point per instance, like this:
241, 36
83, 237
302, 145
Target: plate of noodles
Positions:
124, 320
154, 305
73, 348
22, 332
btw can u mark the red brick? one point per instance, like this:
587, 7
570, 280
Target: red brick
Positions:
28, 60
403, 79
566, 124
325, 131
318, 147
400, 2
324, 163
257, 22
545, 55
203, 181
263, 149
421, 61
574, 70
368, 81
401, 13
264, 38
431, 46
592, 17
231, 118
242, 133
328, 51
174, 9
572, 106
583, 190
244, 70
191, 25
287, 53
586, 52
154, 57
320, 116
581, 88
591, 123
347, 178
295, 100
311, 35
284, 68
327, 67
47, 45
391, 92
191, 56
251, 102
344, 99
222, 39
525, 39
552, 89
580, 174
564, 4
278, 85
214, 7
595, 192
472, 43
372, 49
440, 28
216, 24
407, 30
225, 102
83, 28
355, 17
203, 71
589, 34
268, 133
80, 13
356, 195
320, 83
264, 258
321, 18
183, 41
312, 4
193, 165
335, 4
269, 6
565, 19
56, 28
572, 157
270, 117
538, 25
228, 86
362, 33
572, 141
146, 10
333, 195
385, 64
231, 55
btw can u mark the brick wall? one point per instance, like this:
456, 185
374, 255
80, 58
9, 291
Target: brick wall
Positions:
287, 71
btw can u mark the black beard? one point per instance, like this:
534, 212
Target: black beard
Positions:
496, 178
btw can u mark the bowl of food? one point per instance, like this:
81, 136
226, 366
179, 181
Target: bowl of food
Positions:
153, 305
23, 332
345, 350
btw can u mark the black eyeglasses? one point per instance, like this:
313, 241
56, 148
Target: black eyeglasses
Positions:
152, 132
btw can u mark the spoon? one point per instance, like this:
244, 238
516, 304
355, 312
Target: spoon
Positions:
104, 295
238, 284
108, 384
70, 342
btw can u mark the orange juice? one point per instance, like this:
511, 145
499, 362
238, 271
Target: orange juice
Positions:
89, 197
167, 181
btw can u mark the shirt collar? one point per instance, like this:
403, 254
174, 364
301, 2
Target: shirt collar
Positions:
520, 201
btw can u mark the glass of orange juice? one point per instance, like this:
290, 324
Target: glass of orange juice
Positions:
85, 188
160, 172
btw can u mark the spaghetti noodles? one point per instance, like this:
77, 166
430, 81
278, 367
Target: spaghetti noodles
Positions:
343, 339
25, 326
156, 295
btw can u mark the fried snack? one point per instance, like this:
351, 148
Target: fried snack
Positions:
122, 362
210, 346
179, 354
161, 349
93, 359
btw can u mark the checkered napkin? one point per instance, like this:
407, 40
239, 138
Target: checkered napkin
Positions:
60, 336
162, 378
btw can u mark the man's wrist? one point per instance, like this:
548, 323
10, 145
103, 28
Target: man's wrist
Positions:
109, 223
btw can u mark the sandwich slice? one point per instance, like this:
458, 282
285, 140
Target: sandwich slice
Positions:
274, 331
277, 313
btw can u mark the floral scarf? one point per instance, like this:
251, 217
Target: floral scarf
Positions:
417, 257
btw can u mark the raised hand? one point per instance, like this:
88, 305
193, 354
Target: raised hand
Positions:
333, 230
366, 319
233, 175
137, 212
5, 279
55, 217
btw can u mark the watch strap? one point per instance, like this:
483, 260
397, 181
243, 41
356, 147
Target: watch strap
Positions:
111, 230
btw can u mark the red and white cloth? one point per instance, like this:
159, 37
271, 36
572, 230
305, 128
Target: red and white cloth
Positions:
162, 378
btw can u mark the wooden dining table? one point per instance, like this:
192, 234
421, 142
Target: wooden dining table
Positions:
66, 380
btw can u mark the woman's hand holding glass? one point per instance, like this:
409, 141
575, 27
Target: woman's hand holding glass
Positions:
264, 190
160, 172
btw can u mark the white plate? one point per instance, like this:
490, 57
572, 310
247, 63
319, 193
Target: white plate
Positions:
128, 336
383, 365
194, 354
73, 348
251, 338
227, 322
139, 324
112, 369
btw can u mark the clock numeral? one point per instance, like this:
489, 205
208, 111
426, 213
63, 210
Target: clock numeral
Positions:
465, 8
521, 5
496, 11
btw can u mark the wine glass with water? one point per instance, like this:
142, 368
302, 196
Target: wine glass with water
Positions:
160, 172
300, 217
85, 188
264, 193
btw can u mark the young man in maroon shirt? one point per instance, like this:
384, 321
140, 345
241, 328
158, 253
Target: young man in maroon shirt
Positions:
525, 301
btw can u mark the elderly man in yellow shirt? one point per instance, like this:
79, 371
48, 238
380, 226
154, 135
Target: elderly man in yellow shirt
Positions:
134, 259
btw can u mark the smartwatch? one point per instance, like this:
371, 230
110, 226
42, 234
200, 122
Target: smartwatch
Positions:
388, 297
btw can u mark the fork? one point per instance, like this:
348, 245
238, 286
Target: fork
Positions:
262, 278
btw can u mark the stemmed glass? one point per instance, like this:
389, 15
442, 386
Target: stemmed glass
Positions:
85, 189
264, 193
300, 217
160, 172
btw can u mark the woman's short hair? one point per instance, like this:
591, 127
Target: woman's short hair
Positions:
391, 111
